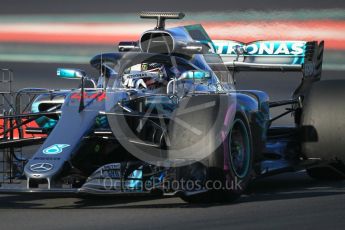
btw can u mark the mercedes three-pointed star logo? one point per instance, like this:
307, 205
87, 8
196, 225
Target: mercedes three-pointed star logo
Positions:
41, 167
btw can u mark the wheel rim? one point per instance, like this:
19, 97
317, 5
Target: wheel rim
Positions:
239, 149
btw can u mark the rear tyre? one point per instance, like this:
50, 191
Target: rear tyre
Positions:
236, 155
323, 128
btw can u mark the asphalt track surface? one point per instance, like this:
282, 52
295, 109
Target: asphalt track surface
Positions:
291, 200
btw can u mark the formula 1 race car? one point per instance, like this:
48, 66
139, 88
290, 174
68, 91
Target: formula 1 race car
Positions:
164, 118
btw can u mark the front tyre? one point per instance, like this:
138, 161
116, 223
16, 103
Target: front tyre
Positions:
239, 160
236, 154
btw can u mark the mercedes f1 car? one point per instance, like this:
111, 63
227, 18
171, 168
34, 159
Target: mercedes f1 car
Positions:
164, 118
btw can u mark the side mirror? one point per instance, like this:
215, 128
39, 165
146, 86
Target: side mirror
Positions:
74, 74
196, 75
70, 73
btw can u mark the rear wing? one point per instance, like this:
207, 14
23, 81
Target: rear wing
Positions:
298, 56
